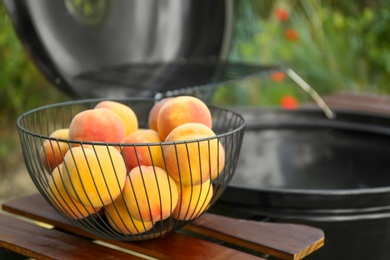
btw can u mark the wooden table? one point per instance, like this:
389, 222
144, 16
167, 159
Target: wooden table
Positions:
208, 237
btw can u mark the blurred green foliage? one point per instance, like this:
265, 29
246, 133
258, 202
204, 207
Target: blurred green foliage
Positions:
22, 88
332, 45
21, 85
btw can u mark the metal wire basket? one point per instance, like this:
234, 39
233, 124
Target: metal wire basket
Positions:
147, 202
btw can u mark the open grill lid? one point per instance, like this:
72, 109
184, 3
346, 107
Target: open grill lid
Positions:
129, 47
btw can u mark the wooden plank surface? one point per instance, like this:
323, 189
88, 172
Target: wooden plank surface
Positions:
172, 246
285, 241
37, 242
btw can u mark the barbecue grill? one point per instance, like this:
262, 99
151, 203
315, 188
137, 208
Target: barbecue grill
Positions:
296, 166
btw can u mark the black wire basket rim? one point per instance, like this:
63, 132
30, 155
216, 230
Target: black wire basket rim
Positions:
241, 126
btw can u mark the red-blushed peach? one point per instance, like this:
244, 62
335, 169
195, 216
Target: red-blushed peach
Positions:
97, 125
119, 218
94, 175
189, 161
153, 113
151, 194
53, 151
193, 200
181, 110
60, 197
149, 154
125, 112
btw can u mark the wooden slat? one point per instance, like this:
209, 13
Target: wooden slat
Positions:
37, 242
285, 241
359, 102
173, 246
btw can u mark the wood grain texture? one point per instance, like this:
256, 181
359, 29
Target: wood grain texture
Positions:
173, 246
285, 241
38, 242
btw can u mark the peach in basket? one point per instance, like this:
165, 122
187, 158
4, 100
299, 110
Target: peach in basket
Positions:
119, 178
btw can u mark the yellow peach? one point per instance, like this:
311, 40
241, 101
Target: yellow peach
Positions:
125, 112
147, 154
59, 196
94, 175
181, 110
192, 162
193, 200
97, 125
119, 218
151, 194
52, 151
221, 162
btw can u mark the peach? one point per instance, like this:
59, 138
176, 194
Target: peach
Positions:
181, 110
60, 197
125, 112
221, 163
193, 200
52, 151
94, 175
192, 162
147, 155
151, 194
97, 125
119, 218
153, 113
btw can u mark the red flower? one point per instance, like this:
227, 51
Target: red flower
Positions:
281, 14
277, 76
288, 102
291, 34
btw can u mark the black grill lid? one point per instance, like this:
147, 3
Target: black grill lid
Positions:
128, 47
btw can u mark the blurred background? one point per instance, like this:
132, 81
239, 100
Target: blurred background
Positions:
336, 46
